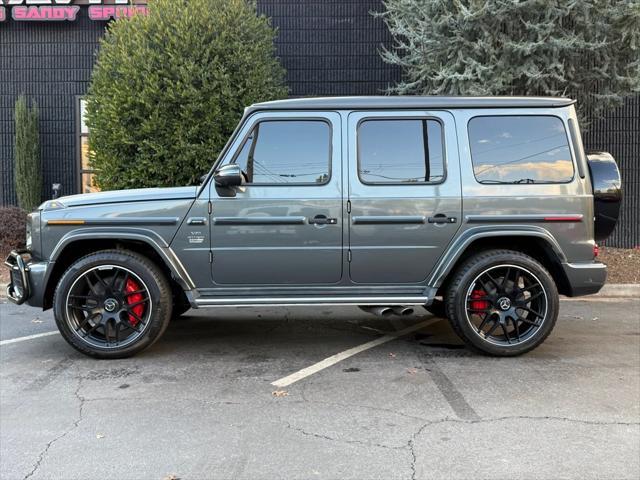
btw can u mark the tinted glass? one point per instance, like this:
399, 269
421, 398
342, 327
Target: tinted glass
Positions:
287, 151
532, 149
400, 151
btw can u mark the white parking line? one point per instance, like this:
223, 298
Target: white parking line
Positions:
29, 337
338, 357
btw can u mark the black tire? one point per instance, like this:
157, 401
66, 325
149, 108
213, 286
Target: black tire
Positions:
479, 316
437, 308
156, 300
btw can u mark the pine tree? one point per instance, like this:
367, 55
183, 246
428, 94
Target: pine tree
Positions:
27, 171
588, 49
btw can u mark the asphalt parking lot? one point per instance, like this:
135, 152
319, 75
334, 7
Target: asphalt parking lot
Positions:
201, 404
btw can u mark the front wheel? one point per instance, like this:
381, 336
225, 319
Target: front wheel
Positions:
502, 303
112, 304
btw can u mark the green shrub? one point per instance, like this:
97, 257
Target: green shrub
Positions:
587, 49
169, 88
27, 171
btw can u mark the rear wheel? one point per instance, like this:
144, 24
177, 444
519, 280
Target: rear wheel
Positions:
112, 304
502, 303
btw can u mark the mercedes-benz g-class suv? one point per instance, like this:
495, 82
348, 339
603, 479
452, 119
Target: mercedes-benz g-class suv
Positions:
482, 210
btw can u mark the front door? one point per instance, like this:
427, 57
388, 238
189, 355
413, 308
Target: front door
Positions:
284, 226
404, 194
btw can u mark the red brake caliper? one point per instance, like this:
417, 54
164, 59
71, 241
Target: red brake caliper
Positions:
132, 286
479, 304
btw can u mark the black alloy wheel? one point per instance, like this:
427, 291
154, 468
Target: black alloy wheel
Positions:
502, 302
109, 307
112, 304
506, 305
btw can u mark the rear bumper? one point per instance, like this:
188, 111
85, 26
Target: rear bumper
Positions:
585, 278
26, 280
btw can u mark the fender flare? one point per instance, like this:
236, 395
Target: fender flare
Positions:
459, 246
149, 237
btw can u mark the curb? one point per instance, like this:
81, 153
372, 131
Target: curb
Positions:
619, 290
610, 290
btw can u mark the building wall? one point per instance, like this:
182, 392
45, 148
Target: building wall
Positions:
51, 63
328, 47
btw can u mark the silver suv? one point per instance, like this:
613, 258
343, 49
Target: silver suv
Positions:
482, 210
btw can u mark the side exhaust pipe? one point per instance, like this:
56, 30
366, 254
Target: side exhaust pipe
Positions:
403, 311
380, 311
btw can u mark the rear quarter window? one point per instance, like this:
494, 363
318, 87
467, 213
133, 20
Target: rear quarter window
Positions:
520, 150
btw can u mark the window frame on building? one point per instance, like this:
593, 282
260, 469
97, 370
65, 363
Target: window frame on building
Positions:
82, 132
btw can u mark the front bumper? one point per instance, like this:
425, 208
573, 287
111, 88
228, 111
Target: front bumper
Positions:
19, 288
585, 278
26, 281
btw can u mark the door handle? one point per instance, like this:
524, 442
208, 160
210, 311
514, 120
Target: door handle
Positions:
197, 221
322, 220
442, 218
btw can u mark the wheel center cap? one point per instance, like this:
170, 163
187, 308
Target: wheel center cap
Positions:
110, 305
504, 303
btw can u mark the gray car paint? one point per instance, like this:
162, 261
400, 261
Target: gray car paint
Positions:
255, 244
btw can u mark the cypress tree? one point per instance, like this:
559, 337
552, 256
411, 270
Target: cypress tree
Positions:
27, 171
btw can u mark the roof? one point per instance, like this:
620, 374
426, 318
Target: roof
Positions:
409, 101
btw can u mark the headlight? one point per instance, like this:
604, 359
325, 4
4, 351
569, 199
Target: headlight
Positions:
52, 205
29, 241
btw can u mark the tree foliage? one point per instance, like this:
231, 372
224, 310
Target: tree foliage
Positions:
586, 49
28, 170
169, 88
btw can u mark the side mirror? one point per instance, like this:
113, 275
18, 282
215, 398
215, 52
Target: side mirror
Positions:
228, 176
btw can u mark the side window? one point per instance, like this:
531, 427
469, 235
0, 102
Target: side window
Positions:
520, 149
287, 151
400, 151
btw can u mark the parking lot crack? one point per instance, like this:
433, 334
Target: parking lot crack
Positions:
412, 451
341, 440
75, 424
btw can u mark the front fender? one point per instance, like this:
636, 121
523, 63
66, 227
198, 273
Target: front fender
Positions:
149, 237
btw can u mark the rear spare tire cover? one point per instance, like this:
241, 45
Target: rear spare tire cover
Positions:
607, 192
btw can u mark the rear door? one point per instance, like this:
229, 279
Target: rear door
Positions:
284, 227
405, 197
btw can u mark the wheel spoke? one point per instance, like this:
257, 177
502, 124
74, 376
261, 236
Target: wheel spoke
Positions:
106, 331
91, 286
86, 321
82, 297
515, 328
484, 322
496, 322
533, 297
84, 308
123, 284
92, 329
100, 280
530, 286
529, 322
135, 316
492, 280
506, 333
537, 314
135, 292
505, 279
144, 300
480, 299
